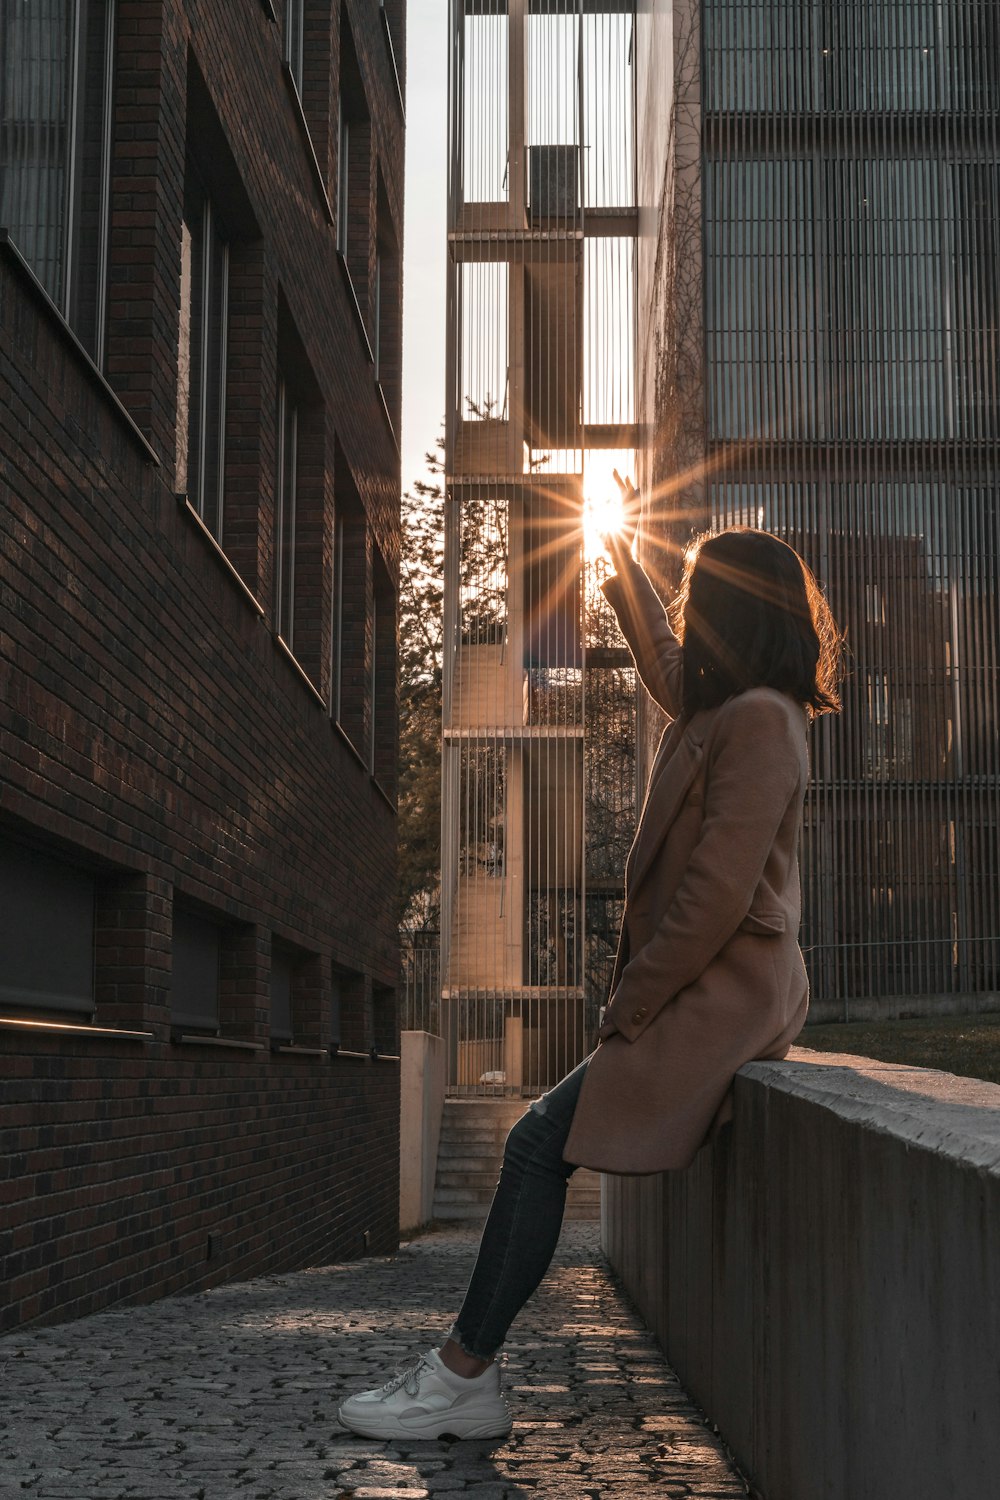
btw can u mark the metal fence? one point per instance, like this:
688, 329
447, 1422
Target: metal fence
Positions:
420, 959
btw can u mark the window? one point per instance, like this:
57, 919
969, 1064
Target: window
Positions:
386, 310
336, 1008
294, 33
343, 178
851, 298
350, 659
284, 520
354, 178
46, 932
382, 680
301, 583
377, 313
282, 984
384, 1020
337, 639
348, 1024
197, 955
55, 130
307, 49
393, 20
373, 680
201, 358
874, 604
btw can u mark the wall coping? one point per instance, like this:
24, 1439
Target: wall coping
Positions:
957, 1118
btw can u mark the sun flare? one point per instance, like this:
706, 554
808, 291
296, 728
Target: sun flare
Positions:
602, 515
603, 512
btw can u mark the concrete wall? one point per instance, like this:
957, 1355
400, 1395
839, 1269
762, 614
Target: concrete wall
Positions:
422, 1084
826, 1278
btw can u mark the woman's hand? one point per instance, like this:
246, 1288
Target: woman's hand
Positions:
618, 544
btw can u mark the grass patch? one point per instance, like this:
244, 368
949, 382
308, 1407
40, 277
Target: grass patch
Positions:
967, 1045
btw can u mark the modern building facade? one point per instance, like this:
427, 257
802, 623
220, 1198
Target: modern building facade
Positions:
819, 354
539, 785
200, 294
754, 244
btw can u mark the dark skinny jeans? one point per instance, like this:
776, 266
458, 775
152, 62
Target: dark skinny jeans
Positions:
523, 1226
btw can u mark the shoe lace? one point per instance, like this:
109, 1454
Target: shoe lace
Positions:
408, 1379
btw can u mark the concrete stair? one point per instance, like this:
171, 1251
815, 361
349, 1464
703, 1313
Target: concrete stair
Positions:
470, 1154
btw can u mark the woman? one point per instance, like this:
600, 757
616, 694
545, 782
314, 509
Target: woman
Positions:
708, 974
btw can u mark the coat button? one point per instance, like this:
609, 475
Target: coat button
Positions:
640, 1014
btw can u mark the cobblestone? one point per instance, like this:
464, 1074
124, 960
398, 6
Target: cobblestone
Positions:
232, 1394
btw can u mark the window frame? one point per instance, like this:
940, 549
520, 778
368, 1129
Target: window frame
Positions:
65, 294
382, 677
54, 872
337, 618
287, 962
377, 330
354, 175
206, 1022
285, 515
201, 216
350, 641
292, 45
343, 176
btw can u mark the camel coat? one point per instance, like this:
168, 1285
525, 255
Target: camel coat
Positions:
708, 974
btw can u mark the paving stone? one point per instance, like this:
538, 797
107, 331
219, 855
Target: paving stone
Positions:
232, 1394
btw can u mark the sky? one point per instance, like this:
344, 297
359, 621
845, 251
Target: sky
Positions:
425, 231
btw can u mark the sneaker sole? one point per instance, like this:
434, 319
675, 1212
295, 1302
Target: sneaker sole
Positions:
428, 1427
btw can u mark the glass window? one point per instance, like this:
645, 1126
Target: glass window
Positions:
387, 307
343, 179
382, 682
350, 696
285, 516
394, 21
46, 932
335, 1009
372, 682
354, 206
850, 299
197, 951
337, 619
294, 31
55, 129
384, 1019
282, 981
201, 359
377, 330
347, 1011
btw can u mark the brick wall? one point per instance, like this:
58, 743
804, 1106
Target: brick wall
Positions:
155, 733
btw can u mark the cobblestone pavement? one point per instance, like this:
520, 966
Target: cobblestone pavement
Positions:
233, 1393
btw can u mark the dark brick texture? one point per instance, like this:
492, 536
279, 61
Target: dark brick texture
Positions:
153, 729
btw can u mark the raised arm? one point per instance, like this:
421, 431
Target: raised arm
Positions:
657, 651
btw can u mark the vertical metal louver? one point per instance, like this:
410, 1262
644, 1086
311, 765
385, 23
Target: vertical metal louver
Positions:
539, 699
851, 175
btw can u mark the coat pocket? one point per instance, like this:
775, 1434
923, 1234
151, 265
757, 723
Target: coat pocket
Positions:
764, 923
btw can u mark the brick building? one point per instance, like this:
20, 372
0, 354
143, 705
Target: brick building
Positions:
200, 299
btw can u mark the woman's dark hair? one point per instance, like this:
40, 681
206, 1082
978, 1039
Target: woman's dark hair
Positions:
750, 614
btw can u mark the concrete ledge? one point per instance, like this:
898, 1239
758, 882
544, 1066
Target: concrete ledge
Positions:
826, 1278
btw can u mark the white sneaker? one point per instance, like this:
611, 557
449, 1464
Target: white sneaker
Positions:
429, 1401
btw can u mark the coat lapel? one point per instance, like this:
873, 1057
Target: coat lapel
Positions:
674, 769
